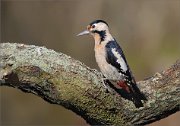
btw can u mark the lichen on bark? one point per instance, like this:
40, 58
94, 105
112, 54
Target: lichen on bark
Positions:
62, 80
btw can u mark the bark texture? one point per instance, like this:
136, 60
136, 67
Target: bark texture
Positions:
60, 79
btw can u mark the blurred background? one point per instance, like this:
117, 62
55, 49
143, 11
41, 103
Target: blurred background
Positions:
148, 31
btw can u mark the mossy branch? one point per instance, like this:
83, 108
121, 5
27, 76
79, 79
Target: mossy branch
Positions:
59, 79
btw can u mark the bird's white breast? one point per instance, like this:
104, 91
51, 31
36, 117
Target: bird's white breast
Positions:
107, 69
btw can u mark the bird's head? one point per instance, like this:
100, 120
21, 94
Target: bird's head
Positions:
97, 28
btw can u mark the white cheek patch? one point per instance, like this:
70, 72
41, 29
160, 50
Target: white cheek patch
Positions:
120, 60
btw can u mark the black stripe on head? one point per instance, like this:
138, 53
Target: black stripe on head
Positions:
102, 34
98, 21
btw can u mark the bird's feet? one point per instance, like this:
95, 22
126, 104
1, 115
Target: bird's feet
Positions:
106, 82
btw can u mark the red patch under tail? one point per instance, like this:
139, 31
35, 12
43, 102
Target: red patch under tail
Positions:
124, 86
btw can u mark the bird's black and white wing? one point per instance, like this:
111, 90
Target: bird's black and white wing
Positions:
115, 57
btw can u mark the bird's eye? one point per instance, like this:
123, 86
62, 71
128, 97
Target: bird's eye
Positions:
93, 26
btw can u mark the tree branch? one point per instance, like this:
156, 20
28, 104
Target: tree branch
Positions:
59, 79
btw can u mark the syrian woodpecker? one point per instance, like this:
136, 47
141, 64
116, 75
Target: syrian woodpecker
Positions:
112, 62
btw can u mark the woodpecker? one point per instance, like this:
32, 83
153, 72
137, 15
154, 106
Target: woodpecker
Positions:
112, 63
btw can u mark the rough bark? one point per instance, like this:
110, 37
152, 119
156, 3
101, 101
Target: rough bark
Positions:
59, 79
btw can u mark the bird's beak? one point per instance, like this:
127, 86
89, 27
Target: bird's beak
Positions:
83, 33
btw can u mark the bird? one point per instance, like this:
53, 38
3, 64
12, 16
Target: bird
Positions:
112, 63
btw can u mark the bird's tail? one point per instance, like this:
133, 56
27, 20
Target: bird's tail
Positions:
128, 91
137, 96
136, 100
133, 93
